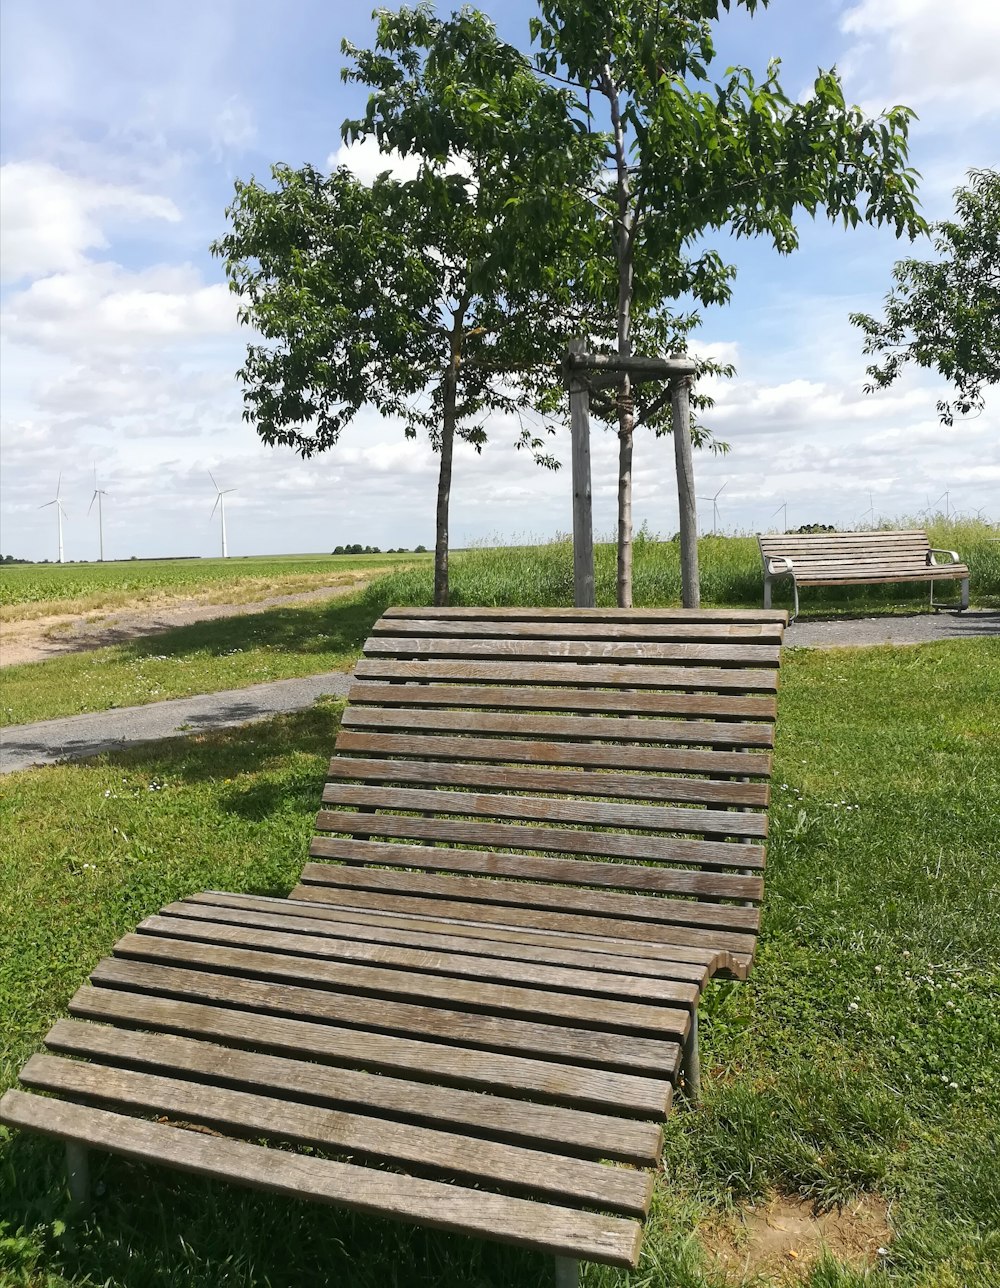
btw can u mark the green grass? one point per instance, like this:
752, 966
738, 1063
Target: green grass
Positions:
828, 1075
32, 590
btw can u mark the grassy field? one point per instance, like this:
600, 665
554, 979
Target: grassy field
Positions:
310, 638
38, 590
863, 1056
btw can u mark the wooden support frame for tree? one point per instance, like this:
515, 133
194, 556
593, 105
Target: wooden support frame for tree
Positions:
587, 371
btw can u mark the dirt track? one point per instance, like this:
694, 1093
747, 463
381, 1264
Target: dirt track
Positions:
43, 637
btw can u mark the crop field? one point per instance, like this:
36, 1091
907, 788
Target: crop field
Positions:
32, 590
859, 1066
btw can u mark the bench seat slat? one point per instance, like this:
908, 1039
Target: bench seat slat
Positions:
648, 631
623, 987
576, 1132
617, 702
578, 1182
646, 652
580, 872
562, 840
545, 1227
609, 728
590, 616
601, 675
380, 925
548, 809
212, 1008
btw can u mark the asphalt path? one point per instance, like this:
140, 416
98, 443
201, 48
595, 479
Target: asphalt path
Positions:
50, 741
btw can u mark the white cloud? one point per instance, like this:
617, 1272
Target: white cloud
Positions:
916, 52
367, 161
49, 219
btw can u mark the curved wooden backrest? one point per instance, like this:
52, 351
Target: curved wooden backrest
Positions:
816, 553
597, 770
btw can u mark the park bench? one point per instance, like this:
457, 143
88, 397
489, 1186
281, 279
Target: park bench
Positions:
857, 559
542, 834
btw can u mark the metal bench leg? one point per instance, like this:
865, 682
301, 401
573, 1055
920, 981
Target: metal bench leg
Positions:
767, 592
691, 1063
567, 1272
965, 595
78, 1174
795, 593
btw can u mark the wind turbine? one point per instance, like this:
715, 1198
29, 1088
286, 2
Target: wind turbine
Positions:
869, 514
220, 505
715, 509
60, 512
98, 493
783, 510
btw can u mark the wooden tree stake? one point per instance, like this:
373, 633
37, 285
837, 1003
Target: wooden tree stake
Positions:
583, 519
680, 406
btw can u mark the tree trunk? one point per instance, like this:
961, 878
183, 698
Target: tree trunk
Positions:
444, 483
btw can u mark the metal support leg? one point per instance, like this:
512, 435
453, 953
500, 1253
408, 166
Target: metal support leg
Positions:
767, 592
567, 1272
795, 593
78, 1173
691, 1063
965, 595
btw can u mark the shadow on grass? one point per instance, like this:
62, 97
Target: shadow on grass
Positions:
150, 1225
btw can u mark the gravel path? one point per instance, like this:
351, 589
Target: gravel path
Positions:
49, 741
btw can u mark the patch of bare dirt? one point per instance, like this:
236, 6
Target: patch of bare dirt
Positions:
784, 1237
43, 637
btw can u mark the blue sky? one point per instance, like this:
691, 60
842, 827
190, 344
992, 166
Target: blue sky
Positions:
124, 127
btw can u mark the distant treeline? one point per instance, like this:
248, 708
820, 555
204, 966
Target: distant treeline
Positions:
374, 550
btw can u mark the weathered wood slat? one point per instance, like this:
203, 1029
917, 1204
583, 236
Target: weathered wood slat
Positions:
618, 702
602, 675
528, 751
714, 917
410, 932
623, 1052
651, 631
573, 1132
562, 840
611, 728
548, 1176
547, 809
720, 951
622, 987
379, 925
225, 1018
563, 782
377, 982
707, 885
545, 1227
589, 650
592, 615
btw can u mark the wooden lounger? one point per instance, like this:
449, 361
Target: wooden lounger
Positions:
858, 559
541, 836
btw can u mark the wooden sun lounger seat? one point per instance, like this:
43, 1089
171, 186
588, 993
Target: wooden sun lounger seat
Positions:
541, 836
858, 559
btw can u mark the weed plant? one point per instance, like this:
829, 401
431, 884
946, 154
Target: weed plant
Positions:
863, 1054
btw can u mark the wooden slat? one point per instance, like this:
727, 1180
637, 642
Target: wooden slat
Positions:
579, 872
649, 631
547, 809
618, 702
379, 925
616, 1051
610, 728
377, 982
227, 1019
589, 650
721, 952
577, 1182
562, 840
616, 785
529, 751
591, 615
575, 1132
544, 1227
721, 679
461, 965
715, 917
870, 580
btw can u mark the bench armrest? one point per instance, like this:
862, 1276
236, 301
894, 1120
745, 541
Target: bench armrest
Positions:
776, 565
952, 556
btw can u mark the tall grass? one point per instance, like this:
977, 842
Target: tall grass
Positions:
730, 575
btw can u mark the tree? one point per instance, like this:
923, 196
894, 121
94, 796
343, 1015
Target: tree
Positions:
685, 158
427, 300
945, 313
